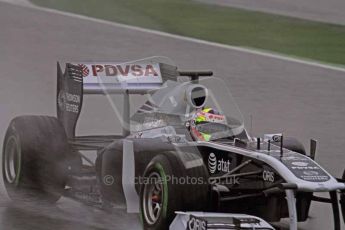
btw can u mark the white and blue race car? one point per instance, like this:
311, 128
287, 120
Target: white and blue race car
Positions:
184, 159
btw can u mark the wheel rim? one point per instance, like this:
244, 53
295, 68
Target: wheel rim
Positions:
153, 198
12, 154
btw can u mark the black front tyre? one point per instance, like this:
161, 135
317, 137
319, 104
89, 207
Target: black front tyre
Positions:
166, 189
33, 161
342, 199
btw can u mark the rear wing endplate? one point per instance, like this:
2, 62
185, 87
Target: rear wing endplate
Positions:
110, 78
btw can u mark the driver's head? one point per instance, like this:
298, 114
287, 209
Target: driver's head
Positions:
207, 115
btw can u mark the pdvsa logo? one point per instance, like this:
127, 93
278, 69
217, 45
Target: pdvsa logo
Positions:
215, 164
212, 163
123, 70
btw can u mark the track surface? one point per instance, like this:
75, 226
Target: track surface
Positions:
299, 100
331, 11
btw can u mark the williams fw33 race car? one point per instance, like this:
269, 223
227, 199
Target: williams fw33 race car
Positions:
184, 159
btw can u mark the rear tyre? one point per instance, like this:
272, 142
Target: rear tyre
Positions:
34, 159
168, 187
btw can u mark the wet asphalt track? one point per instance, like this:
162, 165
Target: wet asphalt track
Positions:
330, 11
283, 96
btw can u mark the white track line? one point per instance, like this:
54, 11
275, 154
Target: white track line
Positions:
328, 66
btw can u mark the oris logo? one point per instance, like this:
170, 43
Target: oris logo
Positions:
212, 163
268, 176
195, 223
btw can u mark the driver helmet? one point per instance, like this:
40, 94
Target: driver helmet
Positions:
206, 115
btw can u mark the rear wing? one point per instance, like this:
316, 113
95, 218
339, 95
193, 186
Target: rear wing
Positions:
110, 78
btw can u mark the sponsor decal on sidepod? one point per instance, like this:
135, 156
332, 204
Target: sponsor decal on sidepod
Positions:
212, 163
196, 223
215, 165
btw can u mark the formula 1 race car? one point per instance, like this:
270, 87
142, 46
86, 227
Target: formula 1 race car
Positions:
184, 159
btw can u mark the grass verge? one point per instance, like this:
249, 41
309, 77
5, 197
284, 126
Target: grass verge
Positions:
313, 40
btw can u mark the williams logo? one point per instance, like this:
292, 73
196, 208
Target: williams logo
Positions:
212, 163
215, 165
